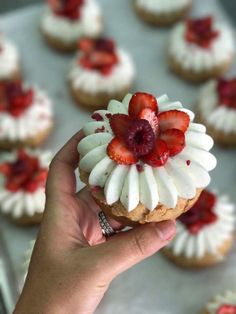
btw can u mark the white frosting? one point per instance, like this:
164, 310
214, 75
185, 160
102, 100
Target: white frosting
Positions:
160, 6
210, 237
228, 298
68, 31
153, 185
216, 115
121, 76
35, 119
195, 58
9, 58
21, 202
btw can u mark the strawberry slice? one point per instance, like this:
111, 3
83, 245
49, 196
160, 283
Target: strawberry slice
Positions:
227, 309
195, 228
119, 124
118, 152
206, 200
174, 139
158, 156
101, 58
140, 101
85, 62
149, 115
173, 119
86, 45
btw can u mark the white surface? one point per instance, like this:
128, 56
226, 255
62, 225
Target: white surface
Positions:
154, 286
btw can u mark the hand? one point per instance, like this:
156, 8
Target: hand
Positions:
73, 263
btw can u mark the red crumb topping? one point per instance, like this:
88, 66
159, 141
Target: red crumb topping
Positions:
70, 9
227, 309
24, 174
15, 99
96, 116
98, 55
200, 32
201, 214
188, 162
227, 92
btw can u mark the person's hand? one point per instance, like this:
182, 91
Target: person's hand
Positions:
73, 263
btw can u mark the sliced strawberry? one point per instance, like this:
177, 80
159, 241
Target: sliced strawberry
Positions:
195, 228
118, 152
41, 176
174, 139
86, 45
208, 216
101, 58
106, 70
5, 168
85, 62
119, 124
227, 309
159, 155
149, 115
140, 101
207, 199
31, 186
173, 119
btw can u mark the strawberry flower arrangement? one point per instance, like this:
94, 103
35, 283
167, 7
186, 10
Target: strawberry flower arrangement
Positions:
70, 9
226, 90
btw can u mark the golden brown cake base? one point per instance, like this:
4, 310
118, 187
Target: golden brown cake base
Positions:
140, 214
224, 139
161, 19
14, 76
26, 220
33, 142
96, 101
206, 261
197, 77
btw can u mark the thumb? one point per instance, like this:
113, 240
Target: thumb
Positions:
125, 249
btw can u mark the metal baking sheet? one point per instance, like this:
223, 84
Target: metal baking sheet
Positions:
155, 285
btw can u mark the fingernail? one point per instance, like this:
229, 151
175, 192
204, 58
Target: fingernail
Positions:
166, 230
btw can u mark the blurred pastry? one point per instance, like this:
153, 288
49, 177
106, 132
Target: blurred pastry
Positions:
9, 60
64, 22
101, 71
205, 234
23, 175
25, 115
162, 13
222, 304
144, 159
217, 110
200, 49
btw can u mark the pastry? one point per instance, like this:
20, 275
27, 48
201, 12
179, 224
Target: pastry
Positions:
9, 60
101, 72
64, 22
200, 49
144, 159
162, 13
23, 175
25, 115
222, 304
205, 234
217, 110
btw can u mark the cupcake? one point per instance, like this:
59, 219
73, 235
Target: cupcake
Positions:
66, 21
101, 72
23, 175
144, 159
25, 115
205, 233
9, 60
222, 304
162, 13
200, 49
217, 110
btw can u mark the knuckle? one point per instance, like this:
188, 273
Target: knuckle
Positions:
140, 244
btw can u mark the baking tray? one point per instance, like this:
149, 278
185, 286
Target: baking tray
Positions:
155, 285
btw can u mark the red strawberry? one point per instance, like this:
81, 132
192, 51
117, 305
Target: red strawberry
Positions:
208, 216
196, 227
12, 186
101, 58
174, 139
173, 119
227, 309
149, 115
120, 124
31, 186
140, 101
106, 70
86, 45
41, 176
118, 152
158, 156
5, 168
206, 200
85, 62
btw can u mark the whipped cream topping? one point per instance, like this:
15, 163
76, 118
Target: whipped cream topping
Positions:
69, 31
35, 119
160, 6
9, 58
210, 237
21, 203
195, 58
90, 81
217, 115
179, 177
229, 298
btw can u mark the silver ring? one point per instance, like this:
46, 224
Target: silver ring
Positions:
107, 229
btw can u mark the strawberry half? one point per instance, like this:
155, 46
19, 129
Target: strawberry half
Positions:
159, 155
118, 152
149, 115
140, 101
173, 119
86, 45
119, 124
101, 58
227, 309
174, 139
